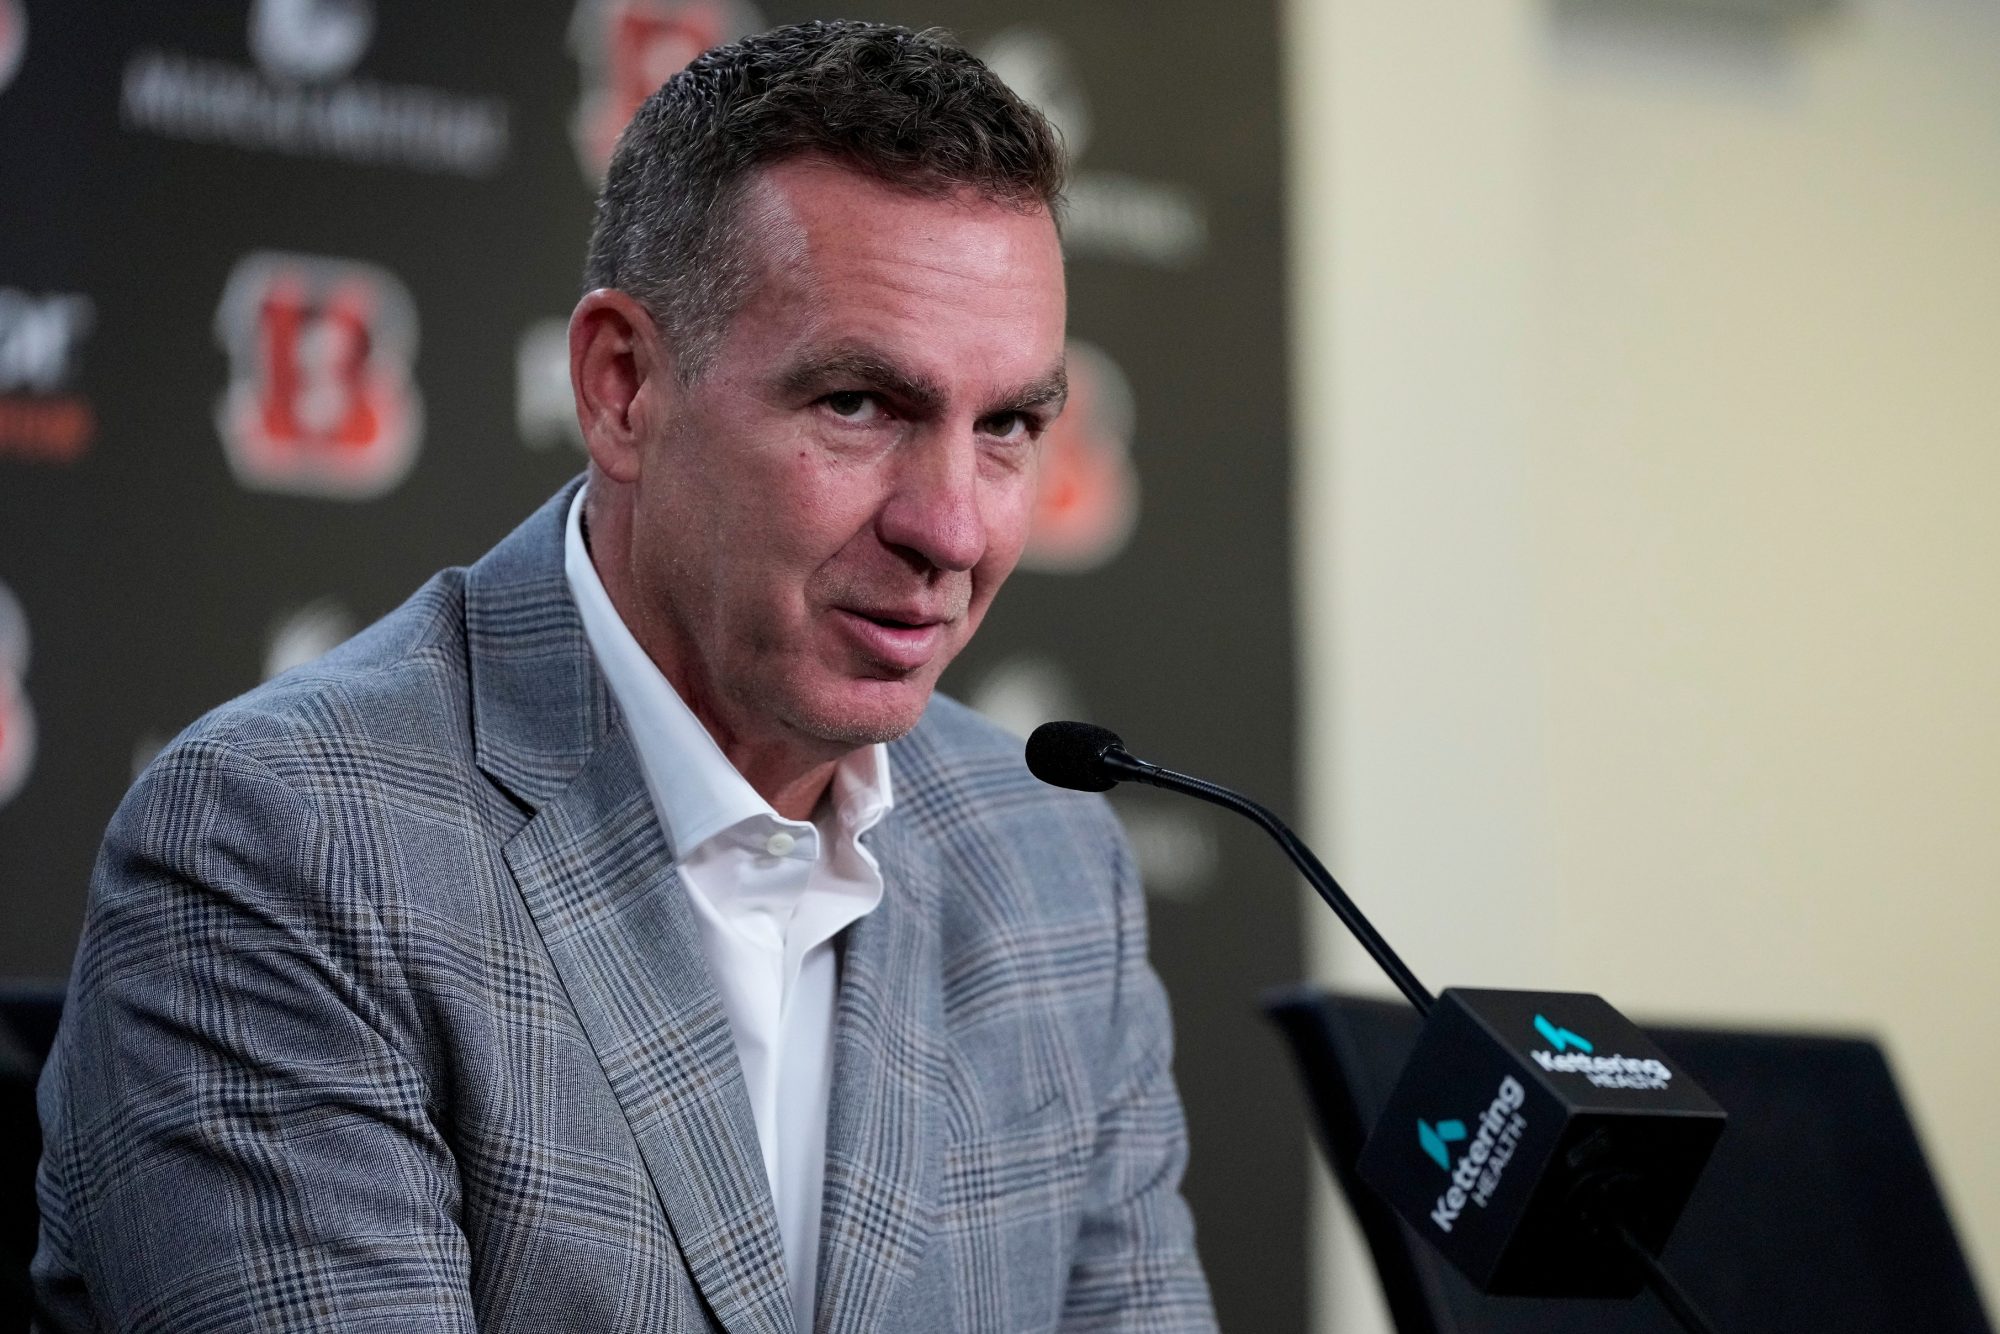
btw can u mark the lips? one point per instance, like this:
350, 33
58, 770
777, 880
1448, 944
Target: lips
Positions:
901, 638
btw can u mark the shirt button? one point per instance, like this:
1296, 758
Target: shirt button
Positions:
780, 844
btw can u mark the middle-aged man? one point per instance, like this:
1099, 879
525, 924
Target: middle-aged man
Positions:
569, 950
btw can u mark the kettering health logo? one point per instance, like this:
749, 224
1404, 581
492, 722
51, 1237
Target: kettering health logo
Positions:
1486, 1155
302, 100
1570, 1053
1438, 1139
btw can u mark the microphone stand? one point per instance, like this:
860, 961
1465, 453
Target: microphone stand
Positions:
1117, 760
1599, 1214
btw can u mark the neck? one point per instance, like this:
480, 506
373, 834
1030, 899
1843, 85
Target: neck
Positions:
793, 784
793, 777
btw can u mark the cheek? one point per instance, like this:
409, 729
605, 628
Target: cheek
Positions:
831, 510
779, 506
821, 515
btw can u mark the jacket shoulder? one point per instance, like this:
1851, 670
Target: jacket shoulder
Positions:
401, 682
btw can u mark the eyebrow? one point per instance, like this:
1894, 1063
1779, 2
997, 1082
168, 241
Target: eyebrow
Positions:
860, 366
1049, 391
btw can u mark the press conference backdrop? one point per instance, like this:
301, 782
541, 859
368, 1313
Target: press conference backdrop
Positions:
282, 295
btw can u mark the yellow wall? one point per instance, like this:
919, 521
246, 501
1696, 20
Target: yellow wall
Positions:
1649, 386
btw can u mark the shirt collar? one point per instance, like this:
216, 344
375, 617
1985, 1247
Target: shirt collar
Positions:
862, 792
696, 790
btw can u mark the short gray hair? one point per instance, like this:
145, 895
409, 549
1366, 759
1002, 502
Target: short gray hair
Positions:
913, 109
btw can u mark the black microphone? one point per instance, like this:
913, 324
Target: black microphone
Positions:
1075, 756
1538, 1140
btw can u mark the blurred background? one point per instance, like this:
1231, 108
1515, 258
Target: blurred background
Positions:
1549, 447
1648, 476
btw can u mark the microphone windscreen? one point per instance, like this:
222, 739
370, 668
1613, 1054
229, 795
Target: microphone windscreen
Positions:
1071, 755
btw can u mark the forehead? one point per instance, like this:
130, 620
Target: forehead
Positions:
837, 253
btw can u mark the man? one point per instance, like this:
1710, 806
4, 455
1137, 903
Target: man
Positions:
619, 936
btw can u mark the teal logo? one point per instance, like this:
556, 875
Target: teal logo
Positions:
1437, 1138
1560, 1038
1572, 1055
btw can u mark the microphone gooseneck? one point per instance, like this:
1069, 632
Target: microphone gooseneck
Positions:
1088, 758
1610, 1175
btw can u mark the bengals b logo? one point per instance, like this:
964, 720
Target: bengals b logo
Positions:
13, 39
628, 48
320, 400
17, 720
1087, 491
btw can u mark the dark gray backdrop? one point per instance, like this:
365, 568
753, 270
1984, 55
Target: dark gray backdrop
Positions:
147, 151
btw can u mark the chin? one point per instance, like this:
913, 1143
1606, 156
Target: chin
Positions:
863, 714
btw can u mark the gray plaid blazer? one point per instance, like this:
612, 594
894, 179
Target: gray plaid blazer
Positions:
390, 1013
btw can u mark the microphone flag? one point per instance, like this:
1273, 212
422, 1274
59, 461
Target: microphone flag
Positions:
1526, 1118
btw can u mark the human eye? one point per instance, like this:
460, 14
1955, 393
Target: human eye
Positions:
1014, 428
853, 405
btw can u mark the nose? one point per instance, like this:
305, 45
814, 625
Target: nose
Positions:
933, 509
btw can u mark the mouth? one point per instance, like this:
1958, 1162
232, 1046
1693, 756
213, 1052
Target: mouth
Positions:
889, 620
902, 639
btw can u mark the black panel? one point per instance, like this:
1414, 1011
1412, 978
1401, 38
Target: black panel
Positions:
1818, 1211
152, 580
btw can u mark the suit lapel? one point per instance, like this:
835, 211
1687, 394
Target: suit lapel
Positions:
596, 874
884, 1150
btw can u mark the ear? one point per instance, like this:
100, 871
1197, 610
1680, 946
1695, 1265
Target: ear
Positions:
620, 374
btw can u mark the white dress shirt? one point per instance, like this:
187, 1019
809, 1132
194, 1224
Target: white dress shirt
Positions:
769, 895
